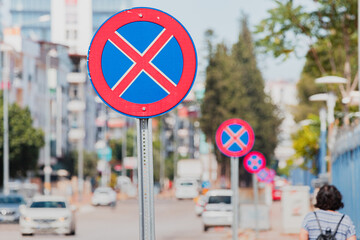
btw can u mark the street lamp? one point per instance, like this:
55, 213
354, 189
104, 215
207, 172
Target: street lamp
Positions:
47, 164
6, 73
330, 99
322, 114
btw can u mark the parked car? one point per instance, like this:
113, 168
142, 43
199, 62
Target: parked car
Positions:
47, 214
276, 193
9, 207
186, 188
104, 196
217, 209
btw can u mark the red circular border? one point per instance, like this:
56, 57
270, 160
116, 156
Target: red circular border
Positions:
259, 155
135, 15
238, 122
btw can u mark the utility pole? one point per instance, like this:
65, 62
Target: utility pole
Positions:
176, 143
162, 153
5, 82
123, 147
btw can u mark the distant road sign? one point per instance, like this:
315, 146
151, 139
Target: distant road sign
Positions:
266, 175
104, 153
235, 137
254, 162
142, 62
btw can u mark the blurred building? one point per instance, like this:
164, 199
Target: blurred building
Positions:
37, 73
284, 96
67, 26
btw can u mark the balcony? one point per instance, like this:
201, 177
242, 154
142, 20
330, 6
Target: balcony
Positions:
76, 106
76, 134
76, 78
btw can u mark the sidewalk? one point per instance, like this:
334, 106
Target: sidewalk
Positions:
275, 233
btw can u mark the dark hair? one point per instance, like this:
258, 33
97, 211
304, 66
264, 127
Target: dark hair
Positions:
329, 198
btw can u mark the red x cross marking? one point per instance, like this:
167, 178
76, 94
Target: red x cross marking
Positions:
142, 62
235, 137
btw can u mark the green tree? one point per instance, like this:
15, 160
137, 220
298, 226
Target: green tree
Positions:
306, 144
235, 89
25, 141
328, 31
90, 163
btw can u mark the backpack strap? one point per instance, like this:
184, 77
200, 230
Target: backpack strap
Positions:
321, 231
338, 225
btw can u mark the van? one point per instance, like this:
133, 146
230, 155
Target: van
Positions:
186, 188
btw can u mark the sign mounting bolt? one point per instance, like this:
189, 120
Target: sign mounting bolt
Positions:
140, 15
144, 109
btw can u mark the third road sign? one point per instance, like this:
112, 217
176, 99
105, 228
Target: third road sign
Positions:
142, 62
235, 137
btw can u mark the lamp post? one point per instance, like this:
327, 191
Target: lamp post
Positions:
5, 83
330, 99
47, 164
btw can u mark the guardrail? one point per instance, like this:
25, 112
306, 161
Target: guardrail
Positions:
346, 171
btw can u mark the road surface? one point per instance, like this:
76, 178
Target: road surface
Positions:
174, 220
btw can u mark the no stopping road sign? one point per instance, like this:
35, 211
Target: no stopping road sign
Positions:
254, 162
235, 137
142, 62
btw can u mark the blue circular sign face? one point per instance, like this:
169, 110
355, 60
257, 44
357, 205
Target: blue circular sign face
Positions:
142, 62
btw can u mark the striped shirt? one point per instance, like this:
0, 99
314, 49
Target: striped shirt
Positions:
328, 219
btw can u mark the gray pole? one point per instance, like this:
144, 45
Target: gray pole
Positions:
80, 168
123, 148
176, 154
135, 179
105, 170
256, 214
6, 70
162, 154
47, 171
235, 196
81, 147
146, 180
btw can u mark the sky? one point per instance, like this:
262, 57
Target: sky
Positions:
224, 18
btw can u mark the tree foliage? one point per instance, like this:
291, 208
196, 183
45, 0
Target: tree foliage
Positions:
306, 142
328, 30
235, 89
25, 141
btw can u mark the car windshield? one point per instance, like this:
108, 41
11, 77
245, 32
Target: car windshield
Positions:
11, 200
186, 184
48, 204
102, 191
220, 199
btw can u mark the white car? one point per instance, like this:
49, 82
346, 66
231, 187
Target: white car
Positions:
104, 196
218, 209
186, 188
47, 214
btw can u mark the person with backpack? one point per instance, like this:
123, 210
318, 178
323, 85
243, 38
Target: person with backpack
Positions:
326, 223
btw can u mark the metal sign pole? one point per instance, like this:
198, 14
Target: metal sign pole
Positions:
146, 180
256, 215
235, 196
5, 83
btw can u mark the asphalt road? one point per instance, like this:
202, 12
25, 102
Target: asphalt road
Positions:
174, 220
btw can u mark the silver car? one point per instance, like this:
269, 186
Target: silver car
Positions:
218, 209
104, 196
47, 214
9, 207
